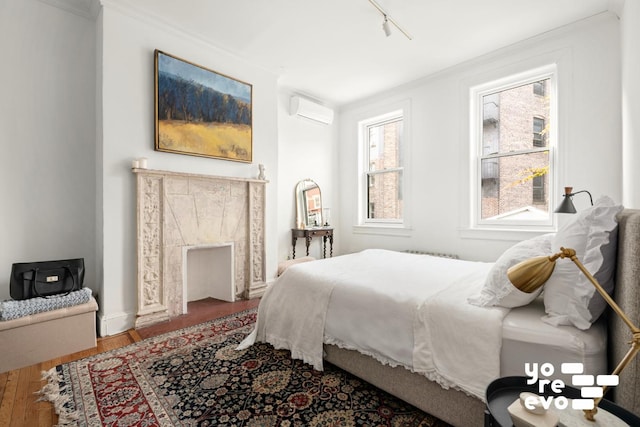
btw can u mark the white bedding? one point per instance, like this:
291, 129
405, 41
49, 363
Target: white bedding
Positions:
402, 309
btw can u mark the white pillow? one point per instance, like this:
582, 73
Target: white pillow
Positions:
497, 289
569, 297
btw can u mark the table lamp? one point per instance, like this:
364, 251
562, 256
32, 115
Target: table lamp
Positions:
530, 274
567, 203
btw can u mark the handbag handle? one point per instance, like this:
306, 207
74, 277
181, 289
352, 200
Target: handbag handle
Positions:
35, 282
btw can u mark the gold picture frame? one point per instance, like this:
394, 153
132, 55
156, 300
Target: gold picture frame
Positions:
200, 112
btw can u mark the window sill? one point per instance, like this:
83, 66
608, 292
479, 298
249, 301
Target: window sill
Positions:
383, 230
507, 234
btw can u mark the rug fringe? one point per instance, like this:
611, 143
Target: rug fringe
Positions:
52, 392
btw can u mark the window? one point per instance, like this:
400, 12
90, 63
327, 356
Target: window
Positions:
539, 88
382, 179
537, 184
538, 131
513, 138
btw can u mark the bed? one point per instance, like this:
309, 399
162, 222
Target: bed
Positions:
312, 306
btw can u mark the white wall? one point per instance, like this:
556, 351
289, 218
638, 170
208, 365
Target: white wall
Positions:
590, 137
47, 120
126, 131
630, 34
306, 149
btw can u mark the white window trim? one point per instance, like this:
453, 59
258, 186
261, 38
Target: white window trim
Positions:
479, 227
381, 226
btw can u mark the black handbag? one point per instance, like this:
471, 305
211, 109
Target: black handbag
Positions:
45, 279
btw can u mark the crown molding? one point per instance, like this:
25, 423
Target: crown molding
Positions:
130, 9
88, 9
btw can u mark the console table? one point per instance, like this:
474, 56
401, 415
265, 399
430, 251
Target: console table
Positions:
310, 233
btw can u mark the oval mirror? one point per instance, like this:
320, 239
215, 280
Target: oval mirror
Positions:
308, 204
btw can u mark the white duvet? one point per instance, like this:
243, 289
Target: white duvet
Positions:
402, 309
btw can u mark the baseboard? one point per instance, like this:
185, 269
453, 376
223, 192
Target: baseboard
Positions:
115, 323
257, 290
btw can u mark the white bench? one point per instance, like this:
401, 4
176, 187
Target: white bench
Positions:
44, 336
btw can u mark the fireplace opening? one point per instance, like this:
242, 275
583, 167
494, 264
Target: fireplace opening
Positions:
208, 272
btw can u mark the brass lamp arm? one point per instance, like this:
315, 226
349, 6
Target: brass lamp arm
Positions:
635, 347
628, 357
635, 341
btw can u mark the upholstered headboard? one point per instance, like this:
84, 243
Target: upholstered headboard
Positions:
627, 295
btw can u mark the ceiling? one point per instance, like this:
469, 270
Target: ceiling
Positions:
336, 51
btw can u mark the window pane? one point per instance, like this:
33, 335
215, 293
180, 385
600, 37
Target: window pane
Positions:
510, 115
384, 145
513, 187
384, 196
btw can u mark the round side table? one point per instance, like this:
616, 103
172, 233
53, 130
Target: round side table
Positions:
502, 392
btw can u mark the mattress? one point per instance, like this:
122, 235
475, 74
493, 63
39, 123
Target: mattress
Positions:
526, 338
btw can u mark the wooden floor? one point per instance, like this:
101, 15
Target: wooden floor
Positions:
18, 400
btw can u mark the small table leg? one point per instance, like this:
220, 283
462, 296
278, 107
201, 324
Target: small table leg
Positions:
308, 242
293, 243
331, 245
324, 246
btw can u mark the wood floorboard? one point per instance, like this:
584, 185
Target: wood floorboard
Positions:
32, 406
6, 405
19, 406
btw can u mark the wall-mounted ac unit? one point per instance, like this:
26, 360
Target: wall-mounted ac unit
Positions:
311, 110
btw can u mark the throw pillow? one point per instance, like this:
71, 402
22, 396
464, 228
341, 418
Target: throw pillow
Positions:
498, 290
569, 297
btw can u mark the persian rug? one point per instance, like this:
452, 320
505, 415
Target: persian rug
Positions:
196, 377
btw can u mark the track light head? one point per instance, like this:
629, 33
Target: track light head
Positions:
388, 20
385, 26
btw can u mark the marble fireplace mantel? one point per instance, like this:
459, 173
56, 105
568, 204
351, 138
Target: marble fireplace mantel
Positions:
176, 210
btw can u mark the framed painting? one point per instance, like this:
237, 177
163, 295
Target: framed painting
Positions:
200, 112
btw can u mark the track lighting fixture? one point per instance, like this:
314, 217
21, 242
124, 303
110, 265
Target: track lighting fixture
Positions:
388, 19
385, 26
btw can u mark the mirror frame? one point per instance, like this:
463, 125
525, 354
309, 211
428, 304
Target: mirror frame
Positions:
306, 194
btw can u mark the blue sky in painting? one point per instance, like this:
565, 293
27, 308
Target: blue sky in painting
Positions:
170, 65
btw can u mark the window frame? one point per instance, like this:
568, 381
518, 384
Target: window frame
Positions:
381, 116
476, 94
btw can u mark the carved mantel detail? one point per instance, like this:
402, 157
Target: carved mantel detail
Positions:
178, 209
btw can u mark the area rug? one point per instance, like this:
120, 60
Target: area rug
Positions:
196, 377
